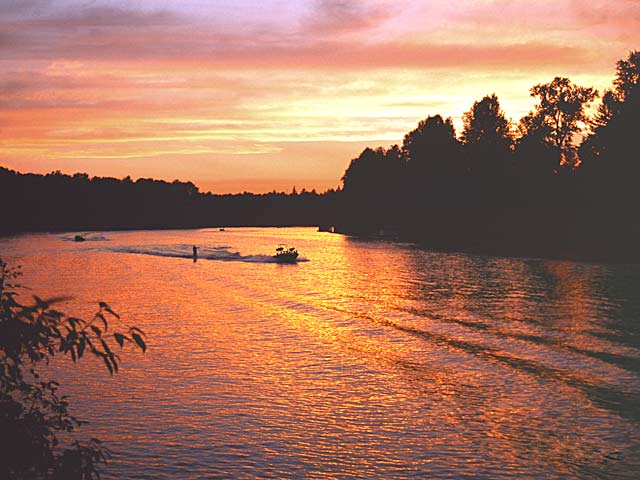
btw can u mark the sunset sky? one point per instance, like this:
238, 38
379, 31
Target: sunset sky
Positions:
258, 95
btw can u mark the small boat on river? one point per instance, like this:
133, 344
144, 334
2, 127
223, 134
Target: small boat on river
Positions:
79, 238
285, 254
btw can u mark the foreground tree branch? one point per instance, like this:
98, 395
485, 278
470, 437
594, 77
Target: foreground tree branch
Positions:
34, 417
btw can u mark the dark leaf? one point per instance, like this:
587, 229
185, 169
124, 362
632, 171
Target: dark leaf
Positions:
136, 329
106, 348
64, 298
119, 338
73, 321
138, 339
39, 302
104, 320
107, 362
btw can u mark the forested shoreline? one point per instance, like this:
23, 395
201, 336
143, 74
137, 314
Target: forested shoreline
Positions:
558, 183
59, 202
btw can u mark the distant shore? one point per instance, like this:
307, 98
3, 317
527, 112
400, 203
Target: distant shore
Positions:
594, 236
523, 244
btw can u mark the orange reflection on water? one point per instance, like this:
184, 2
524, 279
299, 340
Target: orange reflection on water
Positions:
369, 359
573, 284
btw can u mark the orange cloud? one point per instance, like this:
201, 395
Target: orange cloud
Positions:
202, 92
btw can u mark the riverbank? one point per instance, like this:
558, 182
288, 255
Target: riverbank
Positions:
595, 236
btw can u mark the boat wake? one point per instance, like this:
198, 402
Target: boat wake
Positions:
88, 237
221, 253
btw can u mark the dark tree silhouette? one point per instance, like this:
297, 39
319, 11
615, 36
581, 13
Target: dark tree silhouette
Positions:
487, 141
536, 158
486, 128
374, 172
36, 428
609, 107
517, 194
610, 152
486, 190
627, 76
432, 148
434, 166
561, 108
62, 202
372, 186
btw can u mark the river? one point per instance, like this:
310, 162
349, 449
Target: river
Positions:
366, 359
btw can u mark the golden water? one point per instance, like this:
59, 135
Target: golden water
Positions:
364, 359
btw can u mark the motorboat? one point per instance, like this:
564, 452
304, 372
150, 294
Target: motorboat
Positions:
79, 238
286, 254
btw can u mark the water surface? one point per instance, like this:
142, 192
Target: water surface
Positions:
364, 359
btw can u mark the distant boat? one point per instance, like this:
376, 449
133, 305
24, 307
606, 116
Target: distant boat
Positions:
222, 229
285, 254
79, 238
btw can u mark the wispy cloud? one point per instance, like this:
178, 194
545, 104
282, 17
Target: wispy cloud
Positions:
614, 21
139, 86
332, 17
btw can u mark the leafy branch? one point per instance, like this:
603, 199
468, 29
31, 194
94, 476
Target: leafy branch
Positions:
32, 413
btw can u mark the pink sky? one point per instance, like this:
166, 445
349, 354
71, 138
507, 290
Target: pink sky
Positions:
261, 95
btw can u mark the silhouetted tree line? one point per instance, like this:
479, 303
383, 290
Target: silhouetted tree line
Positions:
557, 183
56, 201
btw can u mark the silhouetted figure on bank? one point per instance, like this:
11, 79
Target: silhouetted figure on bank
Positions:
195, 254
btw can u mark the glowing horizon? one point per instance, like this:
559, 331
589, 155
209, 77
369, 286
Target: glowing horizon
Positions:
256, 96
